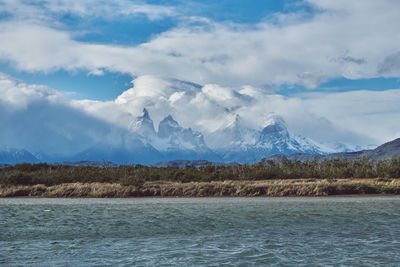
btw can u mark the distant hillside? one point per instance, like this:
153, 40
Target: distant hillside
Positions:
182, 163
191, 163
386, 151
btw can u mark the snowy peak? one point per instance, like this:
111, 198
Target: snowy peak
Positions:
13, 155
238, 134
234, 130
236, 142
168, 126
274, 130
170, 130
235, 136
276, 138
143, 125
177, 142
274, 119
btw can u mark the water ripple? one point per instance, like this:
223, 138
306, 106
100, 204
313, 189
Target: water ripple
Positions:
338, 231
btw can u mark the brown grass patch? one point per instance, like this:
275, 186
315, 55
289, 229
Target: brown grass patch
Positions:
289, 187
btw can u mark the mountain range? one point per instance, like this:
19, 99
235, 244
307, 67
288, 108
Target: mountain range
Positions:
236, 142
385, 151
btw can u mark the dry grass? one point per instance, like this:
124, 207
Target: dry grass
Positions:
289, 187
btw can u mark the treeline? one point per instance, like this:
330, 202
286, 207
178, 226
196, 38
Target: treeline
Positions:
43, 173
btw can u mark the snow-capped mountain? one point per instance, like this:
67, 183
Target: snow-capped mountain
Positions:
143, 125
142, 143
234, 136
275, 138
178, 137
171, 140
47, 126
13, 155
236, 142
182, 142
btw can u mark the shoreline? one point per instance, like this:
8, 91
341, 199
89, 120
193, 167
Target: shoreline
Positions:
228, 188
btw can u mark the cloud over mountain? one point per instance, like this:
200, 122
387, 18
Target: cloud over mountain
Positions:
43, 121
183, 116
333, 117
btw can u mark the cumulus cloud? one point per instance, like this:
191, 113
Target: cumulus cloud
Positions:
229, 64
341, 39
17, 94
355, 118
104, 8
49, 10
44, 121
390, 65
367, 113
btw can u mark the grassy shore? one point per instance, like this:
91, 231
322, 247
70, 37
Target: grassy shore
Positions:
275, 188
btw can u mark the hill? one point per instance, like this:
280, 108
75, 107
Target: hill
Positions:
385, 151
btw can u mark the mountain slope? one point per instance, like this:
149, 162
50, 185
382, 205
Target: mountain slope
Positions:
171, 141
176, 142
143, 125
385, 151
13, 155
236, 142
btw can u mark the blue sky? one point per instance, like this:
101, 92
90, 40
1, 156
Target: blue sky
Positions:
128, 30
134, 29
303, 58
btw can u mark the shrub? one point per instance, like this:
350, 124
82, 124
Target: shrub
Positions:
19, 178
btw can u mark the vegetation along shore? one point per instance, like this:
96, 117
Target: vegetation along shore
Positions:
266, 178
289, 187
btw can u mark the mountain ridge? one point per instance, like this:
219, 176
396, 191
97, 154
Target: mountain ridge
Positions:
385, 151
236, 142
244, 144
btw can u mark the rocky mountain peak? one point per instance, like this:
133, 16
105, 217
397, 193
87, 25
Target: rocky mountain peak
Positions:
168, 126
145, 114
274, 128
143, 125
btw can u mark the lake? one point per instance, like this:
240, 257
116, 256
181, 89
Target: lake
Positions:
336, 231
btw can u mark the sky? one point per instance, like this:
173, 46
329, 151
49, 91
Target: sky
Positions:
331, 69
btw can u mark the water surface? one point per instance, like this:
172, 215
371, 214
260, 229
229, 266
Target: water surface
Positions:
336, 231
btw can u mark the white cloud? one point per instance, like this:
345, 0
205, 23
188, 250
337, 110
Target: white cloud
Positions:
49, 10
352, 40
368, 113
356, 118
41, 119
17, 94
109, 8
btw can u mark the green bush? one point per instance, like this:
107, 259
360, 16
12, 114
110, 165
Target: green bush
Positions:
19, 178
26, 174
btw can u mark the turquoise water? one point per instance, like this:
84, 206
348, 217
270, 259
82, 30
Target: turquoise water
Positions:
335, 231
